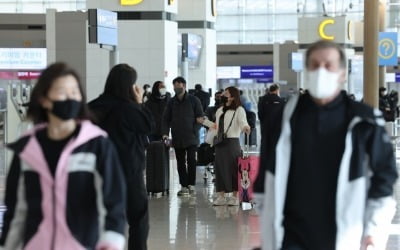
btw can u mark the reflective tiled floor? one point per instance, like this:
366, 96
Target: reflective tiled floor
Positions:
193, 223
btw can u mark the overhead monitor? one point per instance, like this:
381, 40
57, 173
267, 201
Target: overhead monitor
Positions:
103, 27
192, 45
265, 72
296, 61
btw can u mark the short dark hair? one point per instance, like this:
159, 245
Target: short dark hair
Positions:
35, 111
179, 79
235, 94
324, 44
120, 81
198, 86
273, 87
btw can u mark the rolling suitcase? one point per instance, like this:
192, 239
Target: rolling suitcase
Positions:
157, 168
205, 154
248, 166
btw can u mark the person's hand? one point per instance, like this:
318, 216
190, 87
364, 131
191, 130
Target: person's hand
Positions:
367, 243
247, 129
137, 93
106, 247
165, 137
200, 120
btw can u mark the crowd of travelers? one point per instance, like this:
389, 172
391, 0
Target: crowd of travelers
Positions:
76, 178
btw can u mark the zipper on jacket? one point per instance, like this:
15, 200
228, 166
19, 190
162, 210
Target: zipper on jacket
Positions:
53, 240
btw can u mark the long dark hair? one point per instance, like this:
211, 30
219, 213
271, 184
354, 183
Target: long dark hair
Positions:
236, 101
36, 112
120, 81
155, 90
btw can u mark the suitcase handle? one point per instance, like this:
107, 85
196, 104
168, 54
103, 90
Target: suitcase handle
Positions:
247, 146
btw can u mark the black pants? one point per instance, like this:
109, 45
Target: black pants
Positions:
291, 242
155, 138
186, 159
137, 212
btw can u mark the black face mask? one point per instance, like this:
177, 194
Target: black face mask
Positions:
217, 102
224, 99
66, 110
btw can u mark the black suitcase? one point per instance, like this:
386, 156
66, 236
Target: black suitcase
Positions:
157, 168
205, 154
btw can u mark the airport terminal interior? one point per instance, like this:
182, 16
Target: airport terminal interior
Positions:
249, 44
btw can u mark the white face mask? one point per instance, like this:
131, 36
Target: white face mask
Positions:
322, 83
163, 91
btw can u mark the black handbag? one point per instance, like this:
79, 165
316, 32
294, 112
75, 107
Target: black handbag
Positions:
220, 137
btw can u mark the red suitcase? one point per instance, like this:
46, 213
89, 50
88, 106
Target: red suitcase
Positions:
248, 168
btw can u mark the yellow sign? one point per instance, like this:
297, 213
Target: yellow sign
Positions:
321, 29
350, 30
214, 7
130, 2
170, 2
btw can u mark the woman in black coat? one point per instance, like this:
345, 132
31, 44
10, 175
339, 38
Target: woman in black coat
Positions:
120, 112
156, 104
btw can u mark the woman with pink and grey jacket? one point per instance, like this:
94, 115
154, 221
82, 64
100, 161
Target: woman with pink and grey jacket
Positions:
65, 189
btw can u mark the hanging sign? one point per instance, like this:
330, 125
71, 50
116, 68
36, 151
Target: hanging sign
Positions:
131, 2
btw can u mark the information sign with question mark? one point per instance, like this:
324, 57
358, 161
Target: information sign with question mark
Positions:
387, 48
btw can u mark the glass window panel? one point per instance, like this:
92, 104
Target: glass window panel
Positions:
258, 37
7, 8
286, 6
258, 22
228, 7
287, 35
228, 37
32, 8
40, 6
286, 21
228, 23
257, 6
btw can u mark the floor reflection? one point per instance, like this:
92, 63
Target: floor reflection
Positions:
193, 223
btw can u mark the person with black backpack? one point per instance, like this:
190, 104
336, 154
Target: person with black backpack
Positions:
184, 116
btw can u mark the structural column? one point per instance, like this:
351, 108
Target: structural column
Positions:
371, 76
198, 17
147, 37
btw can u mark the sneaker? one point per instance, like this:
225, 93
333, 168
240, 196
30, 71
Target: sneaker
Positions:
220, 201
183, 192
233, 201
192, 190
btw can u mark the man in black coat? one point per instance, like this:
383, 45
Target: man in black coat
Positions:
269, 107
184, 116
203, 96
211, 111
